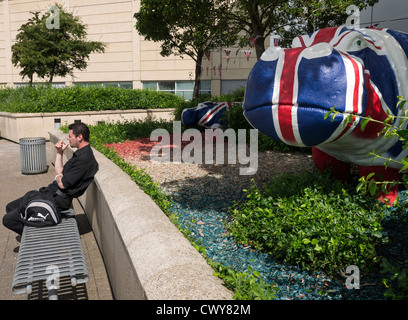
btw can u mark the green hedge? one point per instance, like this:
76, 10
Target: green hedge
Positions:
73, 99
311, 221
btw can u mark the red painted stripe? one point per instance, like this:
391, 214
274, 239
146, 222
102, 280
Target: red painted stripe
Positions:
375, 110
341, 39
375, 46
302, 42
325, 35
346, 129
286, 94
212, 112
356, 84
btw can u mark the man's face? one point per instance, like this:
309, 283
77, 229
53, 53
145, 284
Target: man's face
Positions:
73, 141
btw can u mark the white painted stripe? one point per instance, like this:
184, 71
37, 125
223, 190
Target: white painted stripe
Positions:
275, 95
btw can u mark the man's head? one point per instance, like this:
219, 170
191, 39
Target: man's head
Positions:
78, 134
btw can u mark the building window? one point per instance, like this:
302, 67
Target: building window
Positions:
183, 89
167, 86
123, 84
228, 86
53, 85
205, 87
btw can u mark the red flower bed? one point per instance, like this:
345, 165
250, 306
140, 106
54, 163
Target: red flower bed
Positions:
139, 149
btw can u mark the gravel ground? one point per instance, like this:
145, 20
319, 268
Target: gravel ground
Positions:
202, 194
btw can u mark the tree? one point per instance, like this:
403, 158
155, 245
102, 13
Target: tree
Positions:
48, 49
258, 19
185, 27
318, 14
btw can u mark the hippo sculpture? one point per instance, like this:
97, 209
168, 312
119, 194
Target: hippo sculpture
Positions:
207, 114
357, 71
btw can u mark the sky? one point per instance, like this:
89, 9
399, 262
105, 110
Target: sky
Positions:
392, 14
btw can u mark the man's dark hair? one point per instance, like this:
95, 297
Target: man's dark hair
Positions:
80, 128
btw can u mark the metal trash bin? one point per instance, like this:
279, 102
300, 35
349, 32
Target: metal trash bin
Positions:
33, 155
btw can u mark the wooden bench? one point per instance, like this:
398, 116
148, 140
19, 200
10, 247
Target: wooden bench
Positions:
49, 253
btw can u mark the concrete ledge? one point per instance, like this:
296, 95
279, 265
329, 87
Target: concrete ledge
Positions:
146, 256
14, 126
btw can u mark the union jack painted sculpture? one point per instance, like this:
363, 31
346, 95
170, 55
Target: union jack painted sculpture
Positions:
207, 114
356, 71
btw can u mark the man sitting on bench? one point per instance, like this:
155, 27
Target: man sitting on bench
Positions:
71, 179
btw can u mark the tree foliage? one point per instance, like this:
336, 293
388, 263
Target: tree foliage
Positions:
191, 27
257, 19
185, 27
49, 52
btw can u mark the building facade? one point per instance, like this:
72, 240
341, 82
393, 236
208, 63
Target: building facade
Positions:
129, 60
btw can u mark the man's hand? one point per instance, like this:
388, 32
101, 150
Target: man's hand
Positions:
60, 147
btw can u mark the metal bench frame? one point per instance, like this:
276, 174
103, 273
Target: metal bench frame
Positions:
49, 253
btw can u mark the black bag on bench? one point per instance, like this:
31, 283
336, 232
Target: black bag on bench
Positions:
37, 211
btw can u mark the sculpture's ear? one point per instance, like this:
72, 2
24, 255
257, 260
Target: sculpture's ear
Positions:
402, 39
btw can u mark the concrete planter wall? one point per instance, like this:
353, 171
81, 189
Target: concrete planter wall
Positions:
146, 256
14, 126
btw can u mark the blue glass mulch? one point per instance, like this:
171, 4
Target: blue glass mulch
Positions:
204, 213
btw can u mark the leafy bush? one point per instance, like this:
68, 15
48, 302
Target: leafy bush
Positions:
129, 129
236, 95
246, 286
311, 221
397, 285
73, 99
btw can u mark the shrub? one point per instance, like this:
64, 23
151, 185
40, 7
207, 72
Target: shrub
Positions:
129, 129
397, 284
311, 221
44, 98
245, 285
